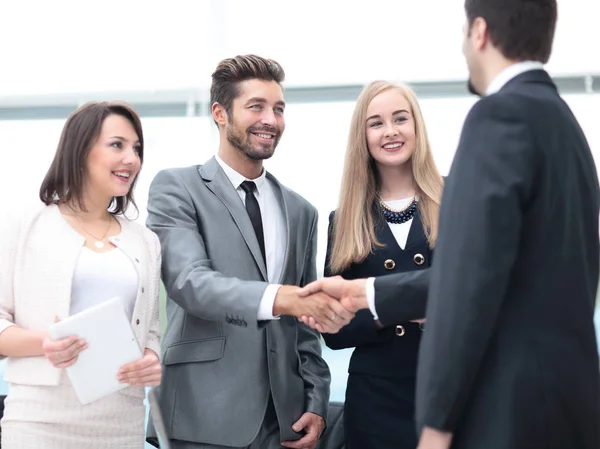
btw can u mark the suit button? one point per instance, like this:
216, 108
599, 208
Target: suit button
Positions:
419, 259
137, 321
389, 264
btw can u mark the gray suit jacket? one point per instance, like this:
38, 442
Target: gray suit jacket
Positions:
220, 362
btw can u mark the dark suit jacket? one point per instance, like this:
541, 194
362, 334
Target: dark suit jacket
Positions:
380, 352
221, 363
509, 356
380, 396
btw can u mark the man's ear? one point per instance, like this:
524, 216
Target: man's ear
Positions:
219, 114
480, 33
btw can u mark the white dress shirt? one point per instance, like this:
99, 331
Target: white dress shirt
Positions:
497, 83
510, 72
274, 230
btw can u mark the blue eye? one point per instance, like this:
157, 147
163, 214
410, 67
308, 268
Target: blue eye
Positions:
401, 119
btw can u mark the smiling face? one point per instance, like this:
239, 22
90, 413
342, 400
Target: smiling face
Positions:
114, 160
255, 123
390, 129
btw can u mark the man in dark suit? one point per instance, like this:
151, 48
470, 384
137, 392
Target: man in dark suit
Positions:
509, 358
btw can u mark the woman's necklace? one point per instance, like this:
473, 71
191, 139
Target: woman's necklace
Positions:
399, 216
99, 241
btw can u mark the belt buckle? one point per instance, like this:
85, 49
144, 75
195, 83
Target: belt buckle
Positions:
400, 331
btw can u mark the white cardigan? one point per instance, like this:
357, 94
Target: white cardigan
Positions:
38, 255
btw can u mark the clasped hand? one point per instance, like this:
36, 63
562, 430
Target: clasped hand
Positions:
326, 305
350, 295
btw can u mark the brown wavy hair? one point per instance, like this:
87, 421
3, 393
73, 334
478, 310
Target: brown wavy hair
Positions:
66, 176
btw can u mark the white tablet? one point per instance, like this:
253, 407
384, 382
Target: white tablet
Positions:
111, 344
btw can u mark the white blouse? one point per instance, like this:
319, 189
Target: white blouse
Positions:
400, 230
99, 277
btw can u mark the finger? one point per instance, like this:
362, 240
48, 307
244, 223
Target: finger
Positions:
60, 345
330, 322
147, 374
311, 288
138, 365
341, 312
145, 381
329, 328
309, 321
67, 363
66, 354
312, 322
303, 422
137, 375
320, 329
302, 443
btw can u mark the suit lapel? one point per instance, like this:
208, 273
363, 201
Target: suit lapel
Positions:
290, 216
219, 184
416, 234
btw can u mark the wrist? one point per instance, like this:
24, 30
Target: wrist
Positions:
359, 294
152, 352
39, 338
284, 301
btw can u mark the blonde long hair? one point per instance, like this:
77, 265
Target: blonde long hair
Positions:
354, 224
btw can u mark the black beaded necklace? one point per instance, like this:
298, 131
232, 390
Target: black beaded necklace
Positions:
399, 216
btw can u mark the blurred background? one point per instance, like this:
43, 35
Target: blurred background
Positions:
55, 56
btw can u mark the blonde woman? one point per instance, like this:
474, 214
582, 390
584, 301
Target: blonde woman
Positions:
386, 222
70, 253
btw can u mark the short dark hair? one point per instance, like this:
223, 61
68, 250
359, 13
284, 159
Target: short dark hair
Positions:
231, 71
520, 29
65, 178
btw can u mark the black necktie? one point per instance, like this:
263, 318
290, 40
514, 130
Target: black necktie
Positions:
255, 217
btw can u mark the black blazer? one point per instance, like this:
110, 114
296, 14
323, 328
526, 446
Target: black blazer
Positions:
381, 352
509, 357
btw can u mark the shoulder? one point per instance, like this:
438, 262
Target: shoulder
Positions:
178, 172
332, 216
24, 214
140, 231
504, 106
298, 200
498, 120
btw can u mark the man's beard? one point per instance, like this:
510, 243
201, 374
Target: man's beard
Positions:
241, 141
472, 88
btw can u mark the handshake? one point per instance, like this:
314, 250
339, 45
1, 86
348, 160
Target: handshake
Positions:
325, 305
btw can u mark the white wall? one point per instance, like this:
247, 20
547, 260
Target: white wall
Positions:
72, 45
309, 158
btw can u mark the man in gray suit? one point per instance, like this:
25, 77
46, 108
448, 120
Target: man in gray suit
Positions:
240, 369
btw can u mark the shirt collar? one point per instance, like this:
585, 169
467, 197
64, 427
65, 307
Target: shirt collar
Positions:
237, 178
510, 72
